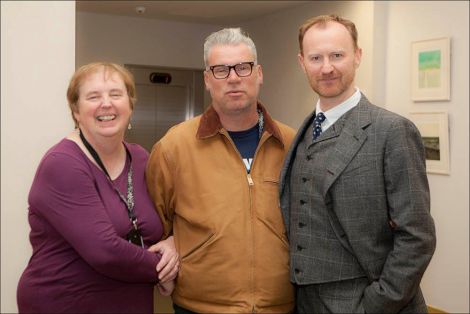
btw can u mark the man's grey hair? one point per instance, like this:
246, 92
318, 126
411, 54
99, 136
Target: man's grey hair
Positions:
231, 37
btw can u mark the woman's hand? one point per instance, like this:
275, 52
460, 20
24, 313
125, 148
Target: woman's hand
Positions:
166, 288
167, 268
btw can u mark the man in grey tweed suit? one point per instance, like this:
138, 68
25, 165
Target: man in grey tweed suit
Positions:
354, 192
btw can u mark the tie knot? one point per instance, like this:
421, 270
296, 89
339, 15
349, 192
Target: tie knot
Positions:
320, 117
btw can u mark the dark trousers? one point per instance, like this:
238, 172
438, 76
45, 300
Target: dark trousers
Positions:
332, 297
181, 310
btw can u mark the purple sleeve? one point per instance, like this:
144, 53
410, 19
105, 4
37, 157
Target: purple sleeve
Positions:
64, 193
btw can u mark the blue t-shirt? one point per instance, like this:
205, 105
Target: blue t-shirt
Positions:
246, 142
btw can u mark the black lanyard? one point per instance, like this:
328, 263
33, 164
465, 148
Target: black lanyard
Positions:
129, 201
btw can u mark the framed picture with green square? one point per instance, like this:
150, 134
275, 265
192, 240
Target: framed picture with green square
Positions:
430, 70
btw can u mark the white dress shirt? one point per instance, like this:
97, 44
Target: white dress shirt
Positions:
336, 112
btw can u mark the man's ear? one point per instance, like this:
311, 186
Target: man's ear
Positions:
300, 58
260, 74
206, 80
357, 57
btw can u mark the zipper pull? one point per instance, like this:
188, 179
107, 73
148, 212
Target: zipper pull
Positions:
250, 180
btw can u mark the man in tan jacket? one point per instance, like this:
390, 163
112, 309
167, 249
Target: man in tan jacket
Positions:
214, 181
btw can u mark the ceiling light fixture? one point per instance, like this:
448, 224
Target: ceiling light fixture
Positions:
140, 10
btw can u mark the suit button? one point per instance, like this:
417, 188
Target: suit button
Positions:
309, 157
304, 180
297, 271
301, 225
299, 248
302, 202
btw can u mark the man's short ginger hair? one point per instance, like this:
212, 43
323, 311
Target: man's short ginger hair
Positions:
322, 20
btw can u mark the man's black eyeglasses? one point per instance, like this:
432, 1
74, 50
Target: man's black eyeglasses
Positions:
223, 71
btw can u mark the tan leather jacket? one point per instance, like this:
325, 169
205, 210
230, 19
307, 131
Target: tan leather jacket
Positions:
227, 225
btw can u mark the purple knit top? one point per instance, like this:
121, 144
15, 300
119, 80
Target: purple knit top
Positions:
81, 261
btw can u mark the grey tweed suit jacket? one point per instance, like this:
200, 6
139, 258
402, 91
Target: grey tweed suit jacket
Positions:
377, 195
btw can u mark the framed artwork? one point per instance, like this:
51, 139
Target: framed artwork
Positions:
434, 129
430, 70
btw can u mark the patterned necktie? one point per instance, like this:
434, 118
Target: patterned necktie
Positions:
320, 117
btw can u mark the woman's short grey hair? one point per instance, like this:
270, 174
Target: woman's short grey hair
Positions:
231, 37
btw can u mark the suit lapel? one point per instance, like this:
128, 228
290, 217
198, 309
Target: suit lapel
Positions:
326, 135
351, 138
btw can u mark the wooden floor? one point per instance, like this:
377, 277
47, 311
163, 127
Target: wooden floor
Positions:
164, 305
433, 310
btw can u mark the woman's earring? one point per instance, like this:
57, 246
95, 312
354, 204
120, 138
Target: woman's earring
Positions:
129, 126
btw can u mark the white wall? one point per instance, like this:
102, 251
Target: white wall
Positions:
446, 282
130, 40
38, 57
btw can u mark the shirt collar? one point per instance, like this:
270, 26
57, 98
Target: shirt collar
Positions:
336, 112
210, 124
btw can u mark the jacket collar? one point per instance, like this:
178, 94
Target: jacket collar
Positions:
210, 124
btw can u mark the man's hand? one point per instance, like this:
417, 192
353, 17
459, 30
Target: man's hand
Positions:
169, 264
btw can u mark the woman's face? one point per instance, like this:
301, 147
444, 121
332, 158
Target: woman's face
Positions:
103, 105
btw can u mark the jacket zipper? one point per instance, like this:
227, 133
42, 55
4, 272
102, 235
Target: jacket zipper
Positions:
251, 183
250, 180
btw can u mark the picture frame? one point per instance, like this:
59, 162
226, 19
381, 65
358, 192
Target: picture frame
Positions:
434, 129
430, 70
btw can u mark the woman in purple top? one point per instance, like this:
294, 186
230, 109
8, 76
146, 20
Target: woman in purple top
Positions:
92, 221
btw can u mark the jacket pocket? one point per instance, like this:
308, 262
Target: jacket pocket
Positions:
200, 245
268, 210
